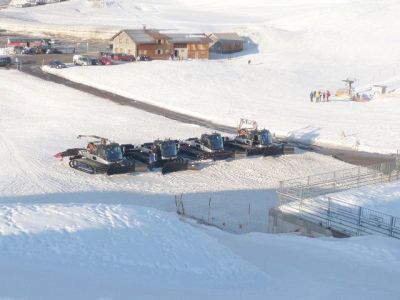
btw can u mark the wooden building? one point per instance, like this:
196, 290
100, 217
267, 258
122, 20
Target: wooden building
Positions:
226, 43
152, 43
190, 46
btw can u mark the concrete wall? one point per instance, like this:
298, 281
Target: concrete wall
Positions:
280, 222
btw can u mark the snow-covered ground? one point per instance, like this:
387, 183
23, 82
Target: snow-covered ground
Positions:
66, 251
296, 47
40, 119
68, 235
65, 234
116, 252
231, 89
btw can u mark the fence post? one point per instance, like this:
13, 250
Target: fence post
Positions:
334, 181
209, 210
280, 198
359, 219
181, 202
328, 221
358, 176
248, 221
391, 226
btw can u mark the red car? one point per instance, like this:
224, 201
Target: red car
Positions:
123, 57
105, 61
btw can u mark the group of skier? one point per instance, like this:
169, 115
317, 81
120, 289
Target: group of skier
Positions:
319, 96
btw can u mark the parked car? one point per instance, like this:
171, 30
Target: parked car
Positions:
144, 58
55, 64
123, 57
53, 51
94, 61
80, 60
40, 50
105, 60
5, 61
29, 51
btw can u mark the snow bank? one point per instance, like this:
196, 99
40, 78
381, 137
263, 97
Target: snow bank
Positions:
115, 252
356, 268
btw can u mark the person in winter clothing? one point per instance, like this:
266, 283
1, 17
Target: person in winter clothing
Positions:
312, 96
328, 94
318, 96
323, 96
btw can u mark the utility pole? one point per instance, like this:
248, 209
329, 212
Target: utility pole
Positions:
349, 82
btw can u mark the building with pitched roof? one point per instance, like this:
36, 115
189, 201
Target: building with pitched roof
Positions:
157, 45
226, 42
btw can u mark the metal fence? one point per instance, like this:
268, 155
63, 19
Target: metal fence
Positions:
325, 183
223, 212
344, 217
300, 197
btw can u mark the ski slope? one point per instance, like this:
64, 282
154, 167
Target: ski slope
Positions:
40, 119
233, 89
294, 47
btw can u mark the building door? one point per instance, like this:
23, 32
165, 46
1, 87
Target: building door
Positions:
182, 53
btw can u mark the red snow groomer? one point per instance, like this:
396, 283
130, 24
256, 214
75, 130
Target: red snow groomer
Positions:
253, 141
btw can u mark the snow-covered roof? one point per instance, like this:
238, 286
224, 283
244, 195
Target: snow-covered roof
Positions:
187, 38
228, 36
140, 36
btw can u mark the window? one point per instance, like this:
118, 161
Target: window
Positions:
158, 52
159, 42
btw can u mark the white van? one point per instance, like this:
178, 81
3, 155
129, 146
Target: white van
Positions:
80, 60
